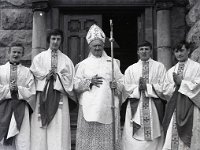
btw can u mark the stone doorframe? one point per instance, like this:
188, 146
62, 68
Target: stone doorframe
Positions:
161, 8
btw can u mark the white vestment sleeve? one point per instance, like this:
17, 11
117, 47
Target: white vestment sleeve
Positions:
191, 89
26, 91
150, 91
169, 85
4, 92
156, 89
38, 69
81, 84
118, 77
66, 80
131, 88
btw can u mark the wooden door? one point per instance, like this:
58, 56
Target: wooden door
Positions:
75, 46
75, 30
146, 27
141, 27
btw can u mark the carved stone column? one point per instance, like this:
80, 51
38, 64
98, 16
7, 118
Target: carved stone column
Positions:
40, 8
164, 54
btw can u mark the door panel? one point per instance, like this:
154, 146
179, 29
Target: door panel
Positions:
75, 30
75, 46
141, 27
146, 27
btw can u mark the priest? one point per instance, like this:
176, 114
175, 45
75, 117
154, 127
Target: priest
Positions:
54, 73
143, 82
182, 91
17, 90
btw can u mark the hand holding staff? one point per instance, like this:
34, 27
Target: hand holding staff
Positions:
113, 90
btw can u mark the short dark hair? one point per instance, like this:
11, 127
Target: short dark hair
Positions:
180, 45
144, 43
55, 32
16, 45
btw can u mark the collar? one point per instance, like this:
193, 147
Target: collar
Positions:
186, 63
104, 55
15, 63
183, 62
149, 60
54, 51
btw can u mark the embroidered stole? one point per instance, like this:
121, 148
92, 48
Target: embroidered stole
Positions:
10, 107
145, 112
13, 79
49, 98
175, 137
54, 63
54, 60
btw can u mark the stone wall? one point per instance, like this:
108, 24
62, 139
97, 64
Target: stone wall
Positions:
15, 26
178, 24
193, 21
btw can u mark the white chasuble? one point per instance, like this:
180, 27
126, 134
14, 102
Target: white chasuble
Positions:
154, 90
97, 101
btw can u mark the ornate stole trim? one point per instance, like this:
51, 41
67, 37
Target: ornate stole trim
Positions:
145, 105
180, 69
54, 60
13, 74
13, 80
175, 137
54, 63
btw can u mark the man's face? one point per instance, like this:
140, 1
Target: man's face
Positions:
181, 54
55, 41
15, 54
144, 53
96, 48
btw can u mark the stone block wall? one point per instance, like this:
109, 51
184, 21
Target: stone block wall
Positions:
15, 26
178, 27
193, 21
178, 24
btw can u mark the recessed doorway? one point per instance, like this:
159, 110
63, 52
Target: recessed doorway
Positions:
125, 35
125, 24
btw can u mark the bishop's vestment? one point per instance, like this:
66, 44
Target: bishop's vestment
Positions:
94, 128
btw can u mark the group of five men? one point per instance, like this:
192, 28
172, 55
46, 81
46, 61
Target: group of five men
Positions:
162, 111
